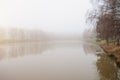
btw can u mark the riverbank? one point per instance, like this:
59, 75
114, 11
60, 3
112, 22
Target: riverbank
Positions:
112, 51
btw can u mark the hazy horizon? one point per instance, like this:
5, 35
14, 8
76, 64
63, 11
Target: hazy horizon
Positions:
59, 17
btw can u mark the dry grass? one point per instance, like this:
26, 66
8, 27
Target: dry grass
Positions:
112, 49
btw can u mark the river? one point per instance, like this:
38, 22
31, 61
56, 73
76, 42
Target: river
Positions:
56, 61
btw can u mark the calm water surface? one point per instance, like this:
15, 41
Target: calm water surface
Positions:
55, 61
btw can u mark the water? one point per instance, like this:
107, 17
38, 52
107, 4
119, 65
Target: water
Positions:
55, 61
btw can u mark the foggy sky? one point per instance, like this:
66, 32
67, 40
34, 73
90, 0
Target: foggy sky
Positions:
59, 16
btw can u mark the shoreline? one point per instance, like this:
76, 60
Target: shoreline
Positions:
113, 52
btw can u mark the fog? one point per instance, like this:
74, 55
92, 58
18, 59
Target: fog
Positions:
49, 40
56, 16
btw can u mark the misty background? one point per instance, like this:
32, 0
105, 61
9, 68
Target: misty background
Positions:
63, 18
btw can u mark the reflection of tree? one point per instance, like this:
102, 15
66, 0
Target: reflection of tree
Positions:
2, 55
107, 68
22, 49
91, 48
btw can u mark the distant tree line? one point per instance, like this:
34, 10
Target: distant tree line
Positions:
17, 34
105, 18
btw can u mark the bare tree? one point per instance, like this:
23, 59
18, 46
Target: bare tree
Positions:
106, 19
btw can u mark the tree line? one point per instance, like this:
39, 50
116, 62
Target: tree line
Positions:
105, 17
17, 34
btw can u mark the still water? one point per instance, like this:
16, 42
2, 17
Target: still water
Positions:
55, 61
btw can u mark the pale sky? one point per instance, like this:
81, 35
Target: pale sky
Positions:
60, 16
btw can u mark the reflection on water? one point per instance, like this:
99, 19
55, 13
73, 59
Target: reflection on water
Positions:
59, 61
107, 68
55, 61
90, 48
21, 49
